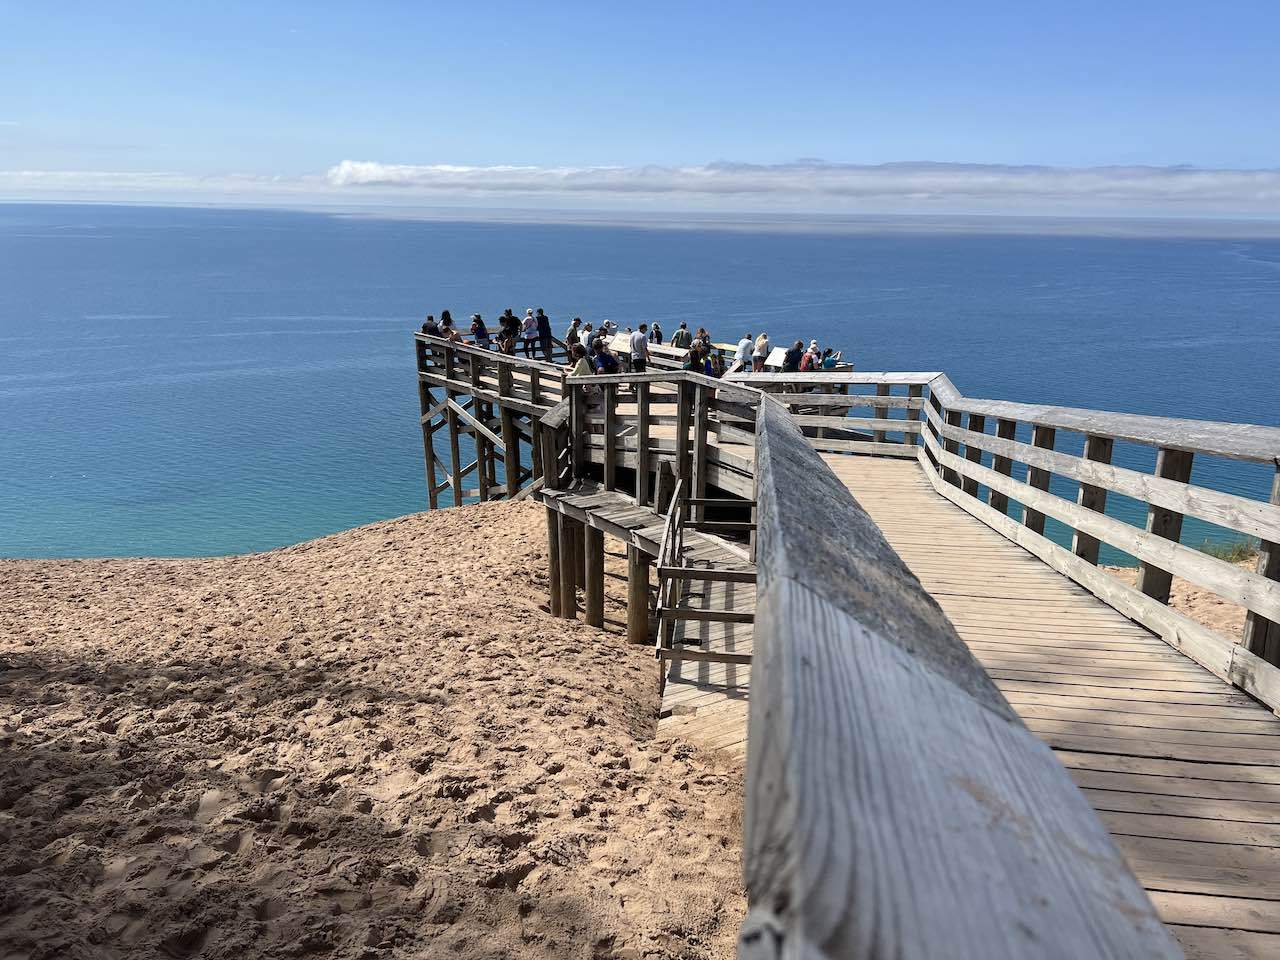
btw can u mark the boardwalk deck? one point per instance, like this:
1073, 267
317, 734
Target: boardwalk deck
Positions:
1183, 768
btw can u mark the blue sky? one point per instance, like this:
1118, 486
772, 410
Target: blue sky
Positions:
150, 100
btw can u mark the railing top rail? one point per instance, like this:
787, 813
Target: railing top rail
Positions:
896, 805
1236, 441
671, 376
835, 377
494, 355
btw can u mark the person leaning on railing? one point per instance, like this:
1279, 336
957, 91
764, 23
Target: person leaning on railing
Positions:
544, 334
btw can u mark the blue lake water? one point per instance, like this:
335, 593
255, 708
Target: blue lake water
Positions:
191, 382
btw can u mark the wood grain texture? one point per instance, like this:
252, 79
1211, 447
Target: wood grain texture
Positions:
896, 806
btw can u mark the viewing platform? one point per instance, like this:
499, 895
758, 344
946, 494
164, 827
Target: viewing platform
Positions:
964, 738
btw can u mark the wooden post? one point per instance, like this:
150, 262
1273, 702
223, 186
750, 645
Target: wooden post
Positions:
577, 431
1097, 448
914, 391
684, 416
484, 450
642, 444
535, 386
702, 413
951, 446
637, 595
1172, 465
1262, 636
610, 436
555, 568
972, 453
426, 401
1005, 430
880, 413
510, 435
593, 547
1043, 437
568, 564
451, 419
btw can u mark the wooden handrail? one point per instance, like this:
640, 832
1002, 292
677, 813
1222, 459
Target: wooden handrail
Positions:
896, 805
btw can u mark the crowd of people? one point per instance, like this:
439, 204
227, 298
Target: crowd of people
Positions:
591, 350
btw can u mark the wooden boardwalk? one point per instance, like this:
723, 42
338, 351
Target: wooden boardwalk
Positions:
1183, 769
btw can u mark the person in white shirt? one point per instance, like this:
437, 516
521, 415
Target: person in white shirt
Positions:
640, 349
742, 358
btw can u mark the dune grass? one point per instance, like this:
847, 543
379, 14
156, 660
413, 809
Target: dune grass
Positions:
1235, 551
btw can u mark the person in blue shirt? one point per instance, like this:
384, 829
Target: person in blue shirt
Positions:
606, 361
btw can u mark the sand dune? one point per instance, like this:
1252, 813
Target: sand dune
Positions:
378, 744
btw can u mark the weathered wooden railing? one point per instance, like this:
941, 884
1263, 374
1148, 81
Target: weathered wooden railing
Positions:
896, 805
832, 408
970, 453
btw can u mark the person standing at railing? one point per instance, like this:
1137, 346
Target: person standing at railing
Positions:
682, 339
830, 358
640, 349
448, 331
742, 356
761, 353
581, 366
529, 332
479, 332
791, 359
430, 327
574, 333
544, 334
655, 333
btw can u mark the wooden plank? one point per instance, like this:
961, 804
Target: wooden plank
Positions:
1204, 943
593, 545
886, 772
610, 435
643, 464
709, 574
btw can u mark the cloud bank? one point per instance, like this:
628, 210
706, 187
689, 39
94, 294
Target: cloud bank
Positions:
915, 184
805, 187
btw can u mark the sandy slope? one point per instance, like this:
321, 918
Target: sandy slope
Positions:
1196, 602
378, 744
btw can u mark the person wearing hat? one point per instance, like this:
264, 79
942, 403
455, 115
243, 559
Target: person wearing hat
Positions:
529, 332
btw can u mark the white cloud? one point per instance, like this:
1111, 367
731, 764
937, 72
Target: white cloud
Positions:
806, 186
916, 184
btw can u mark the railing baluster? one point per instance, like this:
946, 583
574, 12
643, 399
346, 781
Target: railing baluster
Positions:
1262, 636
880, 413
914, 392
610, 436
951, 446
977, 424
642, 444
1096, 447
1171, 465
1005, 430
1041, 436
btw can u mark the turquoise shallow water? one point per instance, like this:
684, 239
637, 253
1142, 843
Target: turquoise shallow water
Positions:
189, 382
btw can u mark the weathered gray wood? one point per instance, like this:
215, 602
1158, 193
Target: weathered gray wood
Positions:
1092, 497
830, 380
1262, 635
951, 446
610, 435
684, 426
713, 575
1043, 437
643, 462
428, 411
880, 411
451, 417
857, 423
1172, 465
698, 459
510, 433
1237, 441
1003, 465
555, 570
977, 425
638, 565
1157, 552
915, 403
1250, 517
896, 806
593, 547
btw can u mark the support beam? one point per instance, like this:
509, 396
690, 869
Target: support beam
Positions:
510, 435
568, 586
951, 446
638, 564
643, 466
880, 413
594, 549
451, 418
915, 391
555, 570
1172, 465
